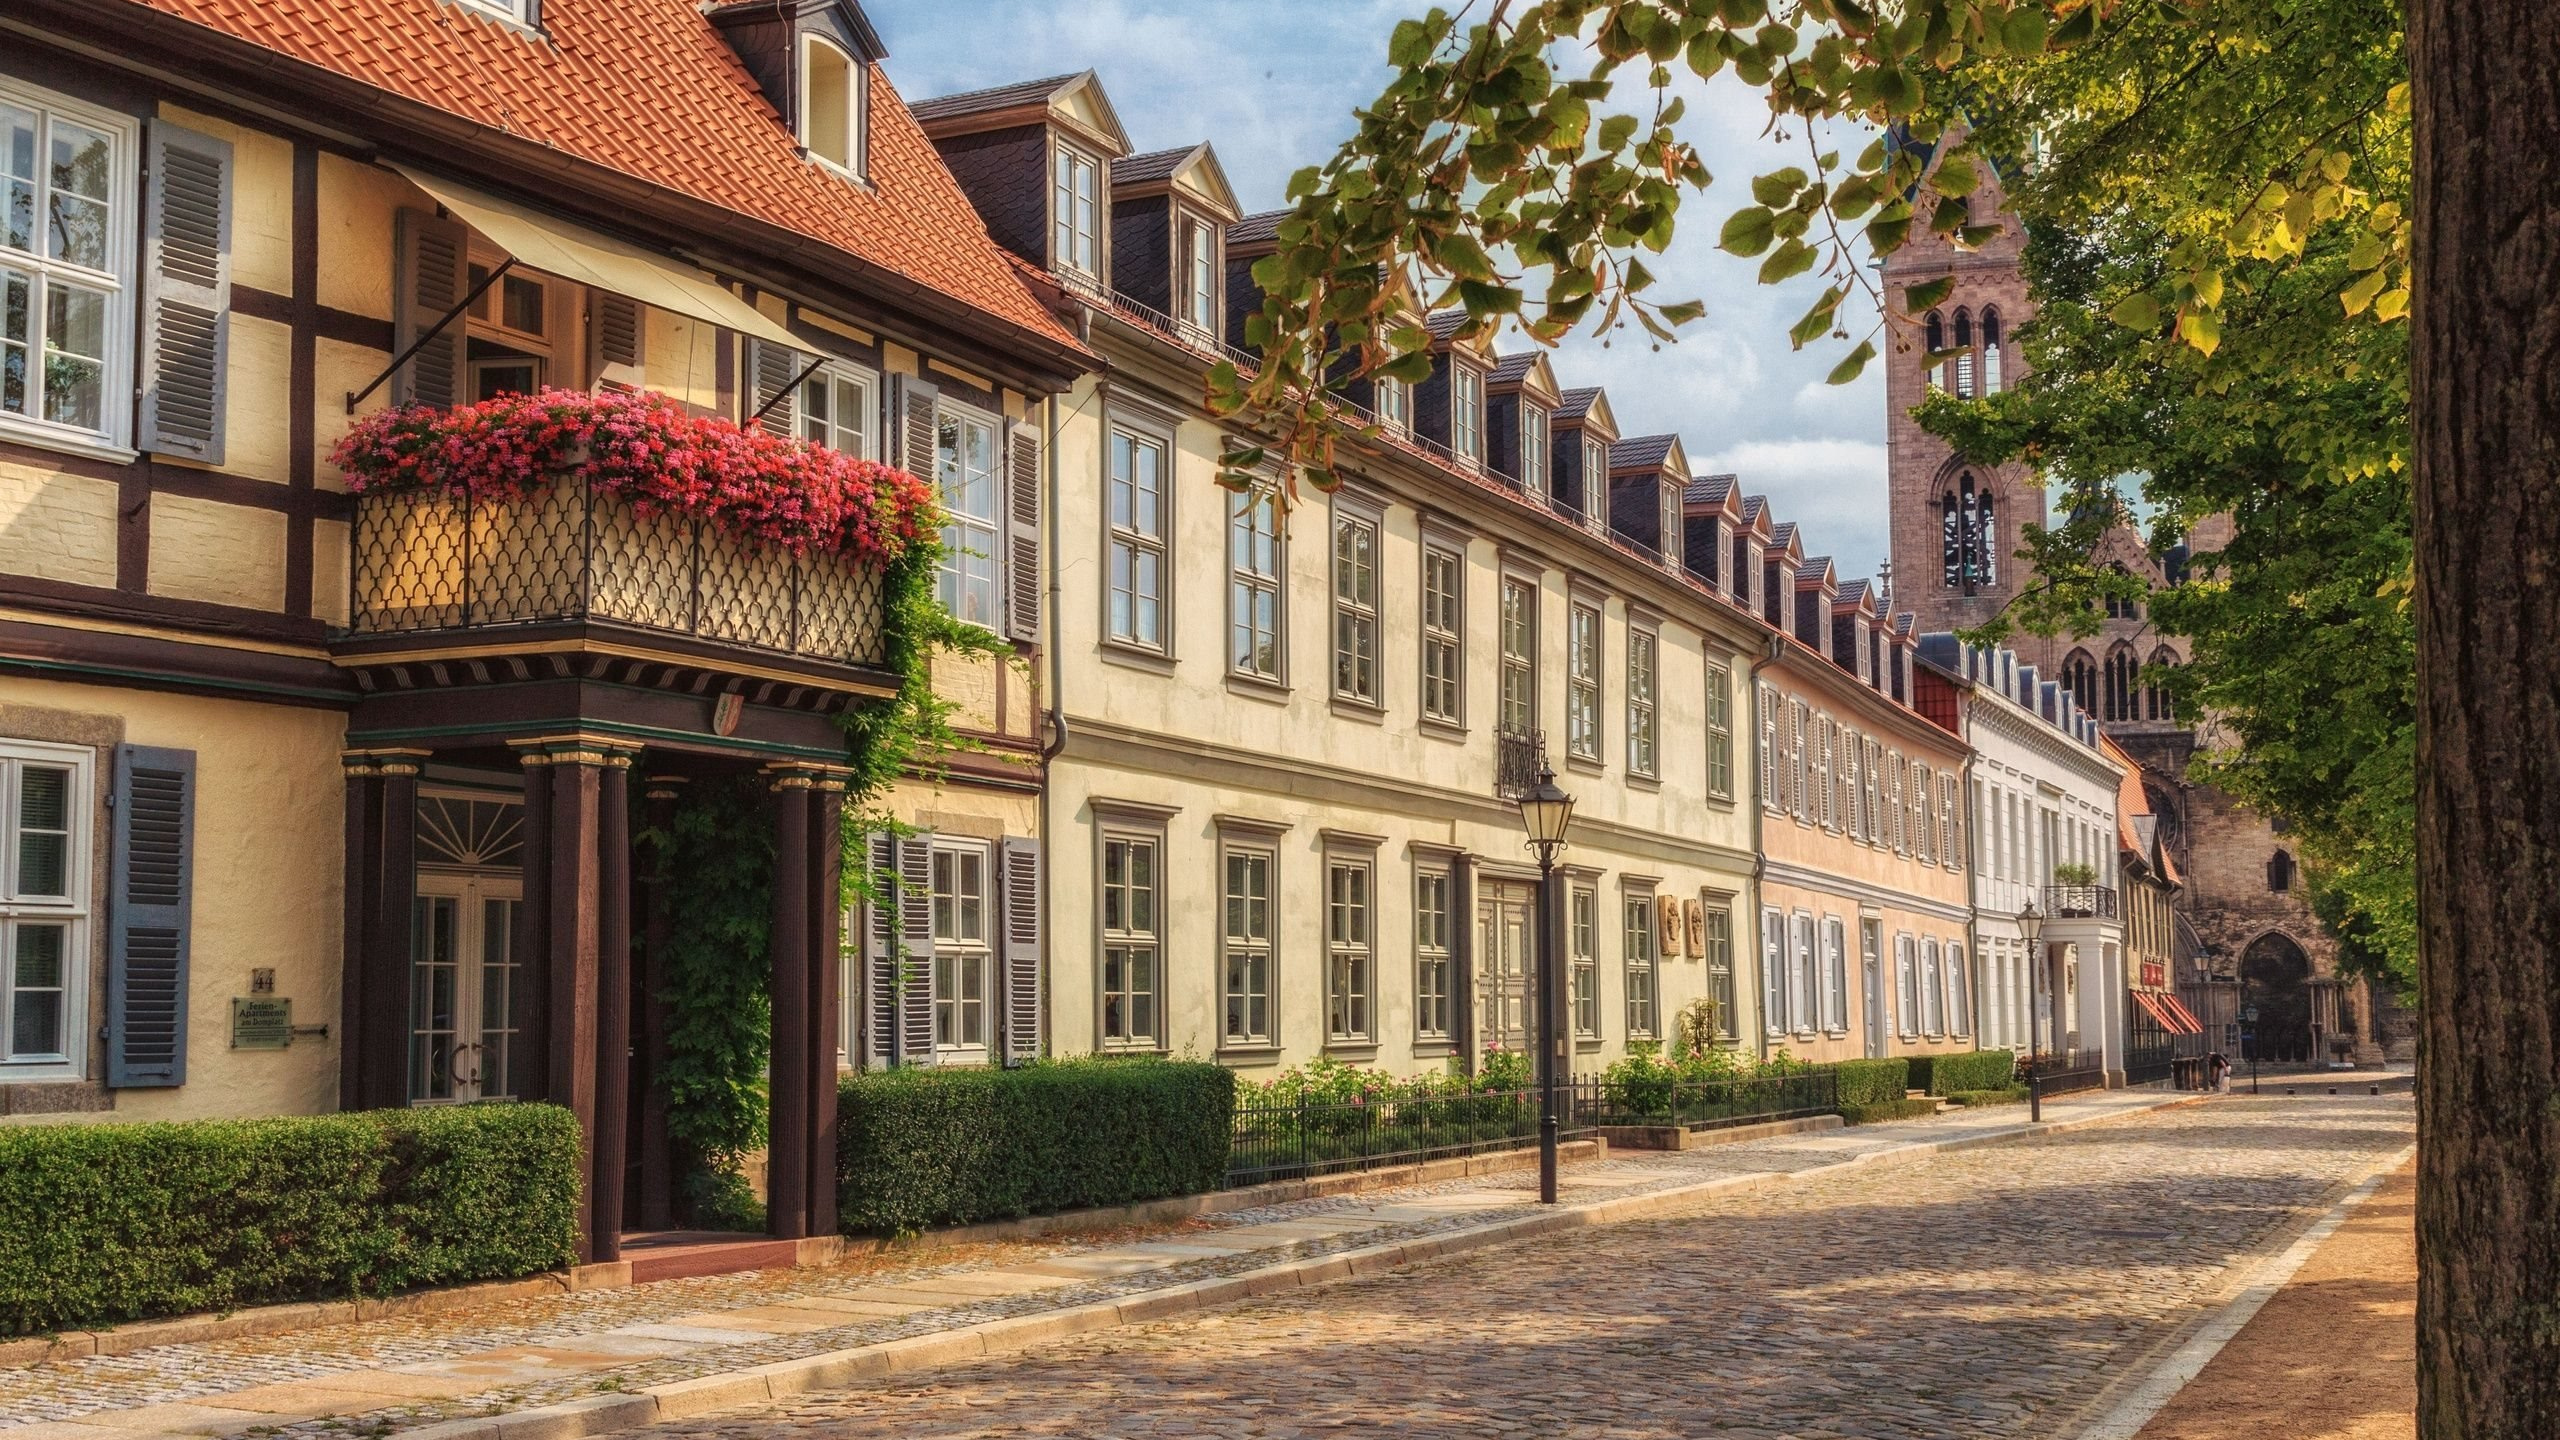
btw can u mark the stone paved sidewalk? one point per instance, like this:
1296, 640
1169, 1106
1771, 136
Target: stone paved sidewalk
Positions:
383, 1376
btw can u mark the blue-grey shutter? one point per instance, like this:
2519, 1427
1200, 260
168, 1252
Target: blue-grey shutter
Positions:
1021, 958
911, 439
151, 858
186, 293
1022, 532
431, 274
880, 950
915, 945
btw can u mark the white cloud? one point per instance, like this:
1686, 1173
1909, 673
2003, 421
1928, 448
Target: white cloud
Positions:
1273, 88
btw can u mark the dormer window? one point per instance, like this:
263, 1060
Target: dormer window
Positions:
519, 11
1076, 214
1533, 449
1395, 405
1199, 274
830, 105
1595, 479
1670, 532
1466, 412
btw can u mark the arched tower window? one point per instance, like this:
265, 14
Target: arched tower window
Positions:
1990, 351
2158, 703
1962, 366
1935, 331
2122, 672
2120, 608
1969, 536
2280, 872
2080, 680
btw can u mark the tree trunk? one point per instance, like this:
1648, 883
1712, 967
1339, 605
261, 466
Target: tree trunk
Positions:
2485, 399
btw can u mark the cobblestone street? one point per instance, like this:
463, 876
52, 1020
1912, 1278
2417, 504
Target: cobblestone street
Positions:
1991, 1292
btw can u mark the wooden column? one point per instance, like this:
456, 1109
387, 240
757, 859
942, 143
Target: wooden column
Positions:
576, 902
613, 1006
787, 1139
532, 1012
826, 964
657, 1146
363, 867
385, 985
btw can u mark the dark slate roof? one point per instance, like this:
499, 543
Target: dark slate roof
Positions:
1853, 591
1813, 569
1708, 490
1512, 369
1643, 452
1781, 533
1445, 323
1752, 505
1577, 403
1906, 623
997, 97
1260, 229
1154, 165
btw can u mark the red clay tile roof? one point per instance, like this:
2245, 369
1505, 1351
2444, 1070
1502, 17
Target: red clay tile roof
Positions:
648, 88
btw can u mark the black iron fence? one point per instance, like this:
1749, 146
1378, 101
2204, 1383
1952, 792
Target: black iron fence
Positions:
2061, 1072
1706, 1104
2151, 1064
1518, 756
429, 560
1293, 1139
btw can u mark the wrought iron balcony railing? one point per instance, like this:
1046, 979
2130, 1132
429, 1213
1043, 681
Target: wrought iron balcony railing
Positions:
427, 560
2081, 902
1518, 757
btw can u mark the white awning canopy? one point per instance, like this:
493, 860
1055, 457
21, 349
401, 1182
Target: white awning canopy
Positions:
560, 248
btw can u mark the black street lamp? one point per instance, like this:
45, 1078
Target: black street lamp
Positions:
1546, 812
2249, 1019
2031, 925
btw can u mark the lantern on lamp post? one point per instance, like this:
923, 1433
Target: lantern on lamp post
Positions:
1546, 812
2031, 925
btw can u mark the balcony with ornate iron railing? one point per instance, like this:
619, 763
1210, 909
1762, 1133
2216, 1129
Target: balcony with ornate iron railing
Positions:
1518, 758
2081, 902
429, 561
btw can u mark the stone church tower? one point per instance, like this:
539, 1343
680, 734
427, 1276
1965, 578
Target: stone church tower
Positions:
1956, 528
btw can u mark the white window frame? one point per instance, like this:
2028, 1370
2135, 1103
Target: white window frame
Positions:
1351, 949
1582, 952
859, 438
1244, 943
1719, 729
1906, 985
1720, 978
1773, 971
1254, 532
1804, 979
1933, 988
1533, 448
514, 12
1394, 404
1199, 275
857, 77
1959, 990
1135, 941
70, 910
1516, 632
119, 281
1357, 541
1466, 412
1444, 632
1434, 960
969, 537
960, 957
1643, 963
1644, 714
1132, 540
1595, 480
1584, 644
1835, 975
1075, 212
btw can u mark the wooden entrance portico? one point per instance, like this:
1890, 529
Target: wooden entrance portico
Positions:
614, 664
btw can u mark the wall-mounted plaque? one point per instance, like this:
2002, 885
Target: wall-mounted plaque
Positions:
261, 1024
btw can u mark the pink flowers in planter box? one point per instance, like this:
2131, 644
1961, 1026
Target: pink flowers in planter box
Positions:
648, 450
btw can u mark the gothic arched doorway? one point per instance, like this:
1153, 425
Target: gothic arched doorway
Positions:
2275, 976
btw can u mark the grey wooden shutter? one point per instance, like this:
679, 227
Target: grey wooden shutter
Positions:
772, 368
915, 927
186, 293
432, 274
911, 436
1022, 532
1021, 868
880, 950
617, 338
151, 857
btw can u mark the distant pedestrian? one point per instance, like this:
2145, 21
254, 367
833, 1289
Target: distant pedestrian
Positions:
2217, 1073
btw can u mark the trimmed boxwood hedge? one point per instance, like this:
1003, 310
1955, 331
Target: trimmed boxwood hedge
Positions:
1900, 1108
920, 1147
1972, 1070
1872, 1082
107, 1223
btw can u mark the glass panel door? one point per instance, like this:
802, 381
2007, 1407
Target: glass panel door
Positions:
435, 1010
461, 988
1505, 1019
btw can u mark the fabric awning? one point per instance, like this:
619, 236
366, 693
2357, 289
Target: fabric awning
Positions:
2165, 1009
2179, 1008
573, 253
2160, 1017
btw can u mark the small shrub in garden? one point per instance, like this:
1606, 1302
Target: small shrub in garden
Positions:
2006, 1095
920, 1147
1974, 1070
101, 1224
1883, 1110
1872, 1082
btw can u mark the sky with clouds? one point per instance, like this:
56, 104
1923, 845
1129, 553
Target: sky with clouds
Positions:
1272, 86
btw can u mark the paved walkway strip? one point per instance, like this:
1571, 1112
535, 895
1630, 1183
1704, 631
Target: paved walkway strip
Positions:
563, 1364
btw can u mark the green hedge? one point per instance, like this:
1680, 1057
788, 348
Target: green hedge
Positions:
1899, 1109
1872, 1082
108, 1223
2006, 1095
1972, 1070
920, 1147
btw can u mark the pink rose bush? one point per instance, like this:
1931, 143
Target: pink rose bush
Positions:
646, 449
